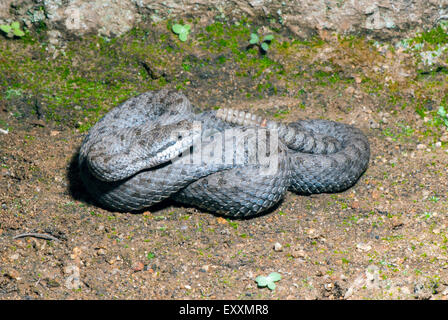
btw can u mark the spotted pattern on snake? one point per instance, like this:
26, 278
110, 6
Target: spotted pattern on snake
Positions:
140, 153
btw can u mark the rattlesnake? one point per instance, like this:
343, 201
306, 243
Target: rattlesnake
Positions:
130, 160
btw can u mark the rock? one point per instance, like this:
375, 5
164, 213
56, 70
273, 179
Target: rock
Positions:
278, 247
205, 268
373, 124
421, 146
101, 252
405, 290
350, 90
12, 274
299, 253
14, 256
328, 286
421, 291
363, 247
112, 18
139, 266
321, 271
312, 233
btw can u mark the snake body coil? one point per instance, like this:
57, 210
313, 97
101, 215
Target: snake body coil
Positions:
130, 159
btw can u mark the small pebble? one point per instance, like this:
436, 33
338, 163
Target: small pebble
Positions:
205, 268
14, 256
299, 253
373, 124
405, 290
138, 266
421, 146
363, 247
115, 271
278, 247
12, 274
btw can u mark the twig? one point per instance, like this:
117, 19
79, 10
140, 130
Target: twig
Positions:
36, 235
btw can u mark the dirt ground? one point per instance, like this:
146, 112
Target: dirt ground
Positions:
384, 238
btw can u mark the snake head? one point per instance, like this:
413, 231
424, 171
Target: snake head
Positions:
169, 141
139, 148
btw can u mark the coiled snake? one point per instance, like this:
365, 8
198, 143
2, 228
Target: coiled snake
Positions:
131, 159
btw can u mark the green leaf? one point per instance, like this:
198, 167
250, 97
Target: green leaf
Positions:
269, 37
18, 32
271, 285
183, 36
5, 28
178, 28
15, 25
150, 255
261, 281
265, 46
187, 27
441, 112
254, 38
274, 276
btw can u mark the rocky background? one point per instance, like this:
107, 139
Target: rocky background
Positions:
383, 19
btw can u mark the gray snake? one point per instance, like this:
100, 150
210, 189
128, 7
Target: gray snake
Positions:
130, 159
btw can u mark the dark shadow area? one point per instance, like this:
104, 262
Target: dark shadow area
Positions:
75, 185
78, 192
227, 216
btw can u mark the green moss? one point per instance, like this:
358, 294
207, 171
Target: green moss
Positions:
434, 36
93, 74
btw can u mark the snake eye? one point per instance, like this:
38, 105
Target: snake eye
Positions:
179, 137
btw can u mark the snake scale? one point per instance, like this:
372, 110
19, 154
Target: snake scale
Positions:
141, 152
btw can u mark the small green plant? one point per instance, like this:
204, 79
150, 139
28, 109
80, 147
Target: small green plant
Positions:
264, 44
13, 93
182, 31
443, 115
150, 255
12, 30
268, 281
